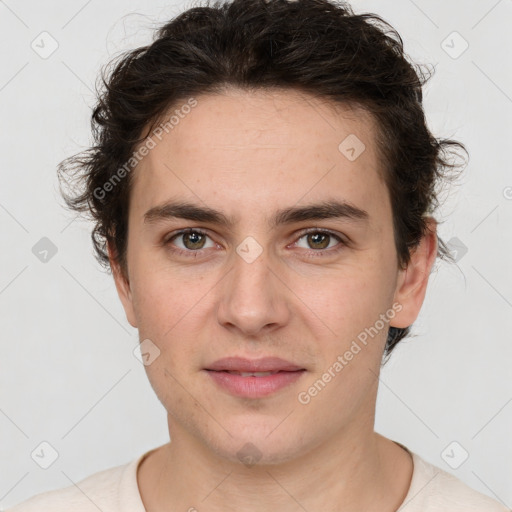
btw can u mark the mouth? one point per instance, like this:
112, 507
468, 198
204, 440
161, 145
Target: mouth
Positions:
241, 365
254, 378
251, 374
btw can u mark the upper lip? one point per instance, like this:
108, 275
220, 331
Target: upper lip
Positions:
264, 364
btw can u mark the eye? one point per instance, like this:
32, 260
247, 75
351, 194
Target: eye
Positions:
319, 240
192, 240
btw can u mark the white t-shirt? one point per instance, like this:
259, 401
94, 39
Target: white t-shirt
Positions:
116, 490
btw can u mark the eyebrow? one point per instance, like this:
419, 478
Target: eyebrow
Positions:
331, 209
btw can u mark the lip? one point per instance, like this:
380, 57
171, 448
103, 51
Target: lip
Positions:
251, 386
254, 387
264, 364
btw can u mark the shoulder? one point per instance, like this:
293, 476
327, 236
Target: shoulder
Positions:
435, 490
100, 491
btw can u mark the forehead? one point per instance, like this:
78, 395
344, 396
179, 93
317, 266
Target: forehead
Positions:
266, 148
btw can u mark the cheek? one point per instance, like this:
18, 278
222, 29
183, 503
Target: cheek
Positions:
352, 296
355, 314
350, 352
170, 313
158, 299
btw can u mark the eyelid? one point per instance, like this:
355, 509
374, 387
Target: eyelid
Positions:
297, 236
342, 242
167, 241
171, 236
327, 231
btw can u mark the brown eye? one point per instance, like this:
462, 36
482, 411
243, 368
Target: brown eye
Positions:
192, 240
320, 240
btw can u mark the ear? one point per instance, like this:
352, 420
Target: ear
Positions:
122, 285
412, 281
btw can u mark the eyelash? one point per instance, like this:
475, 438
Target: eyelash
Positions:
312, 252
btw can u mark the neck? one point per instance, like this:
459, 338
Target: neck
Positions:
369, 472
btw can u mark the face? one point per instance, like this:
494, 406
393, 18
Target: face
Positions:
298, 263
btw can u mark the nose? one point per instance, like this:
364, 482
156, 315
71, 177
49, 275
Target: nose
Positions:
253, 300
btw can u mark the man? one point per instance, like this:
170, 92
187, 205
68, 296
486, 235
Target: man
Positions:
262, 185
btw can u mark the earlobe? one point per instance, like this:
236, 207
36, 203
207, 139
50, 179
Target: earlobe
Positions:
122, 285
412, 282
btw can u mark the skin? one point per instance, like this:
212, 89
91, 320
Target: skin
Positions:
248, 155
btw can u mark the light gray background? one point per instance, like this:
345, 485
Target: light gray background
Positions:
68, 375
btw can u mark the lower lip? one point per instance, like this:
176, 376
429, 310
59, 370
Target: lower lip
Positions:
254, 387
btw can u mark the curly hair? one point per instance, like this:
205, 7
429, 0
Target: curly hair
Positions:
319, 47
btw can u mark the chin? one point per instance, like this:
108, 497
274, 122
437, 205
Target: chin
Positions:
257, 442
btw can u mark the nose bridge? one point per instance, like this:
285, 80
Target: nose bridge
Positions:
252, 298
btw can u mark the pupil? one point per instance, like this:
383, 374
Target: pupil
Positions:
314, 238
191, 236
